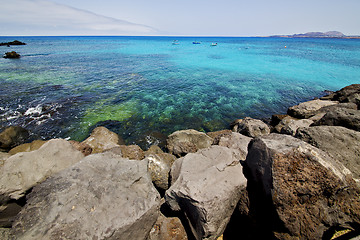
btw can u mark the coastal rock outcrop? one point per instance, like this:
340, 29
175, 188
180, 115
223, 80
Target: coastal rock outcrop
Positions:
206, 187
182, 142
102, 197
250, 127
102, 139
342, 143
11, 54
345, 117
309, 109
13, 136
15, 42
349, 93
297, 190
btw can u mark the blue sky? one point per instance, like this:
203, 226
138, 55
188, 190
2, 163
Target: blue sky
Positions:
184, 17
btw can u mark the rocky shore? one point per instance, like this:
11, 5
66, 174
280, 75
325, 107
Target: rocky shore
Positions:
295, 178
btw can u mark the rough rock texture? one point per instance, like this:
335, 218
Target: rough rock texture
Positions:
206, 187
5, 234
182, 142
82, 147
3, 157
27, 147
308, 109
13, 136
236, 141
250, 127
290, 125
347, 94
101, 139
23, 171
342, 143
348, 118
132, 152
167, 228
102, 197
11, 54
218, 134
159, 168
297, 191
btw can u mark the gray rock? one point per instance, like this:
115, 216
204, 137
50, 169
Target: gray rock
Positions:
310, 108
102, 197
182, 142
250, 127
206, 187
236, 141
348, 118
349, 93
290, 125
102, 139
23, 171
342, 143
297, 190
13, 136
168, 228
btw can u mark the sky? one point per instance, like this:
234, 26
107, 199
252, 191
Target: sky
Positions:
184, 17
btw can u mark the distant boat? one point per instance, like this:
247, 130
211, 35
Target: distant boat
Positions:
213, 44
196, 42
175, 42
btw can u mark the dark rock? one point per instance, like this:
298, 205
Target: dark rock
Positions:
276, 119
13, 136
250, 127
342, 143
12, 54
82, 147
347, 94
102, 197
206, 186
182, 142
348, 118
309, 109
27, 147
151, 138
16, 42
297, 191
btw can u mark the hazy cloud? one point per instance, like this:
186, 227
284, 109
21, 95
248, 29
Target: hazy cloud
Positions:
42, 17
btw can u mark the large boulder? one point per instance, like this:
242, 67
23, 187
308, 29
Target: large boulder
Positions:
13, 136
102, 139
297, 191
310, 108
236, 141
349, 93
102, 197
23, 171
290, 125
342, 143
250, 127
345, 117
206, 187
182, 142
27, 147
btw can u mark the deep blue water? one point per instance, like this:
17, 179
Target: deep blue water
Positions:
64, 86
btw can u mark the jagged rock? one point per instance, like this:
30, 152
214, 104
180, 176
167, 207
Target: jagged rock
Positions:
101, 139
250, 127
11, 54
182, 142
297, 190
23, 171
276, 119
347, 94
27, 147
82, 147
167, 228
309, 109
206, 186
342, 143
236, 141
13, 136
218, 134
159, 165
102, 197
132, 152
348, 118
289, 125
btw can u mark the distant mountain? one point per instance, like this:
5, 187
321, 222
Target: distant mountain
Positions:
331, 34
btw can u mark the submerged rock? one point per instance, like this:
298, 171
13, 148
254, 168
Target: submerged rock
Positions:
12, 54
102, 197
182, 142
13, 136
16, 42
206, 187
297, 190
250, 127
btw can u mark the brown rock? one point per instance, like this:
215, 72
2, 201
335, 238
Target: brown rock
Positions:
250, 127
132, 152
167, 228
27, 147
218, 134
101, 139
13, 136
82, 147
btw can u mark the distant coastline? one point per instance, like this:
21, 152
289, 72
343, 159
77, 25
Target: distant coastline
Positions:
331, 34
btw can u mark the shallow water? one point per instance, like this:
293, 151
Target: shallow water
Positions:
64, 86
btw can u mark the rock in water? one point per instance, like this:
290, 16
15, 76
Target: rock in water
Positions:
187, 141
12, 54
206, 187
13, 136
297, 191
250, 127
102, 197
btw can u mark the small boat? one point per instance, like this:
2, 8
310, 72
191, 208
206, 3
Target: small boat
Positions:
175, 42
213, 44
196, 42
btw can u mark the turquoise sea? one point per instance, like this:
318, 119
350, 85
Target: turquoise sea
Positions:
145, 87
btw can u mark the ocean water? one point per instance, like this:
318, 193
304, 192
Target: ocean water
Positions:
145, 87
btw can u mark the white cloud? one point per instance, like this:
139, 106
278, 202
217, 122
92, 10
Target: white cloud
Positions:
42, 17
